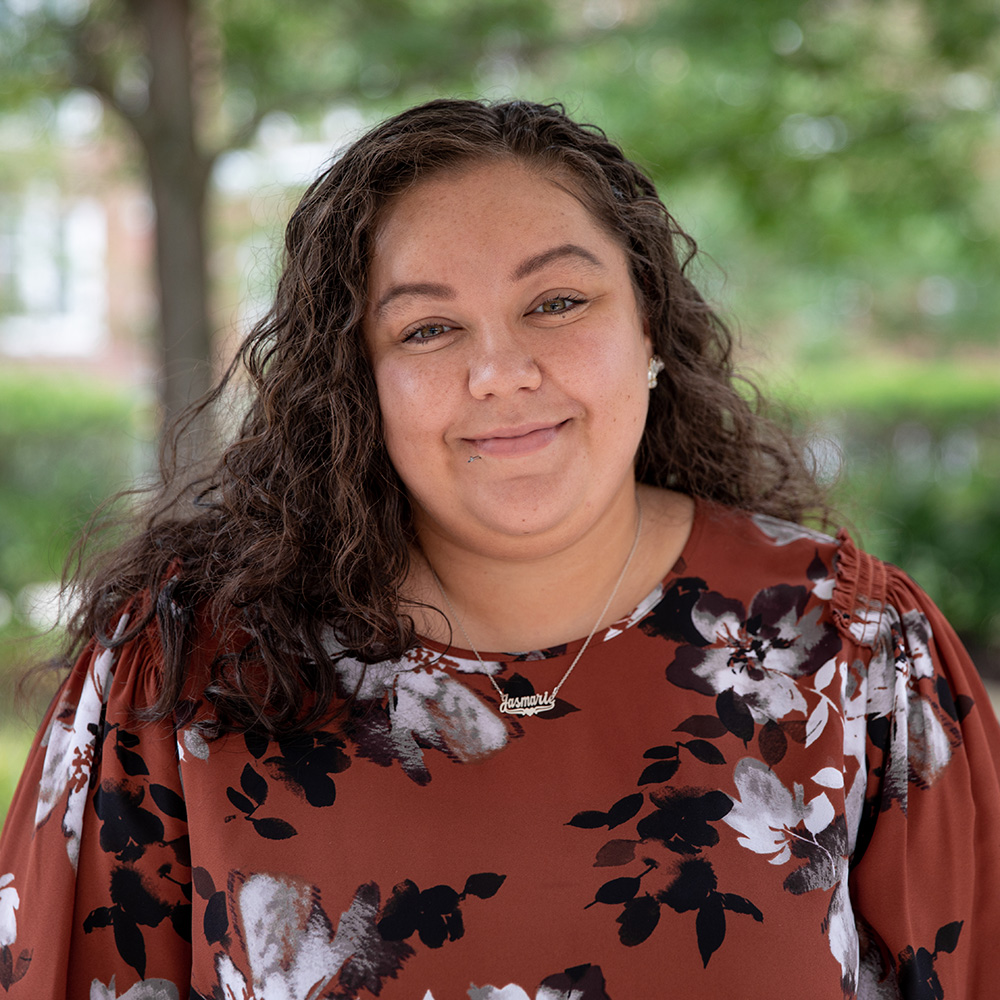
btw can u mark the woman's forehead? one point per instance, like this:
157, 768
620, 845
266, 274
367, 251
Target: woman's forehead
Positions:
468, 190
502, 213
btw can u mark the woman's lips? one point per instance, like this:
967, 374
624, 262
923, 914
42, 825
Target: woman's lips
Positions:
516, 441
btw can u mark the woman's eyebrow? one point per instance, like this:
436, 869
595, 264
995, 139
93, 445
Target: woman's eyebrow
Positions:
539, 260
414, 288
525, 268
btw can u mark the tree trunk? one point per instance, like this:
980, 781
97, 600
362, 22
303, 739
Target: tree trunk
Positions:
179, 172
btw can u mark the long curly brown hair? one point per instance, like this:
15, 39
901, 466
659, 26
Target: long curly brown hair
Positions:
301, 530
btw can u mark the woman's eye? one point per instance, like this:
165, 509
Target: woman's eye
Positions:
428, 331
559, 304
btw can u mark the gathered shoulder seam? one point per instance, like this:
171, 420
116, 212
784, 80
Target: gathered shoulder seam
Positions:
860, 592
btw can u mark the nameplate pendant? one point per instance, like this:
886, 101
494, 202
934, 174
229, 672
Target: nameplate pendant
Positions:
529, 704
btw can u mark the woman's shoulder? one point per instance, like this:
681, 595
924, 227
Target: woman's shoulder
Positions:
745, 550
126, 662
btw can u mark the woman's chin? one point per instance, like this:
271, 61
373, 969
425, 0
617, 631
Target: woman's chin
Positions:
522, 518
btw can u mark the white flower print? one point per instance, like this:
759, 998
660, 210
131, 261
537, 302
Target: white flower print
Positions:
929, 744
289, 941
855, 723
760, 654
148, 989
931, 732
9, 902
785, 532
899, 686
766, 815
192, 741
69, 741
917, 635
444, 713
509, 992
868, 625
769, 819
584, 982
292, 950
642, 609
843, 930
820, 714
369, 682
425, 707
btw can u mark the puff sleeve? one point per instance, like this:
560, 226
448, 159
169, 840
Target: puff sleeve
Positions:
94, 859
925, 869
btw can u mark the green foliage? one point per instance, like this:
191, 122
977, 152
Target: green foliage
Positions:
65, 446
856, 143
946, 534
920, 479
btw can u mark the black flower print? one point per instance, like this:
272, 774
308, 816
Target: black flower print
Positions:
252, 796
671, 841
918, 978
433, 914
289, 939
127, 827
683, 818
583, 982
134, 905
215, 923
672, 617
306, 764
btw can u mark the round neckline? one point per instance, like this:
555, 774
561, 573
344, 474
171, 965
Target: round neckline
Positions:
615, 628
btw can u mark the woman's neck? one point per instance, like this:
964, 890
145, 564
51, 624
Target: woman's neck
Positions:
512, 605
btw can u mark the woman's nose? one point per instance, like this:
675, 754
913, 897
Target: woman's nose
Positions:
501, 365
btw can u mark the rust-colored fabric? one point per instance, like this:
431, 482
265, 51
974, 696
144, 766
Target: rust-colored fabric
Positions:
776, 778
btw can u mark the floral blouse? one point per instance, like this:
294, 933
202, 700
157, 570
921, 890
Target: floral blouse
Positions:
776, 778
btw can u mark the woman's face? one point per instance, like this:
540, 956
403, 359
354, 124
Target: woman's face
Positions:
510, 357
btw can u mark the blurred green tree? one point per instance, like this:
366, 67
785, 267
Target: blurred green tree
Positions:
847, 154
192, 79
852, 146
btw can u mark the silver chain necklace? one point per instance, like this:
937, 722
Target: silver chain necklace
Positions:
532, 704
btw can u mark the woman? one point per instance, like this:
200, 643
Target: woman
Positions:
730, 755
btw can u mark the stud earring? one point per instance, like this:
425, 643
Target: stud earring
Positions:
656, 366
